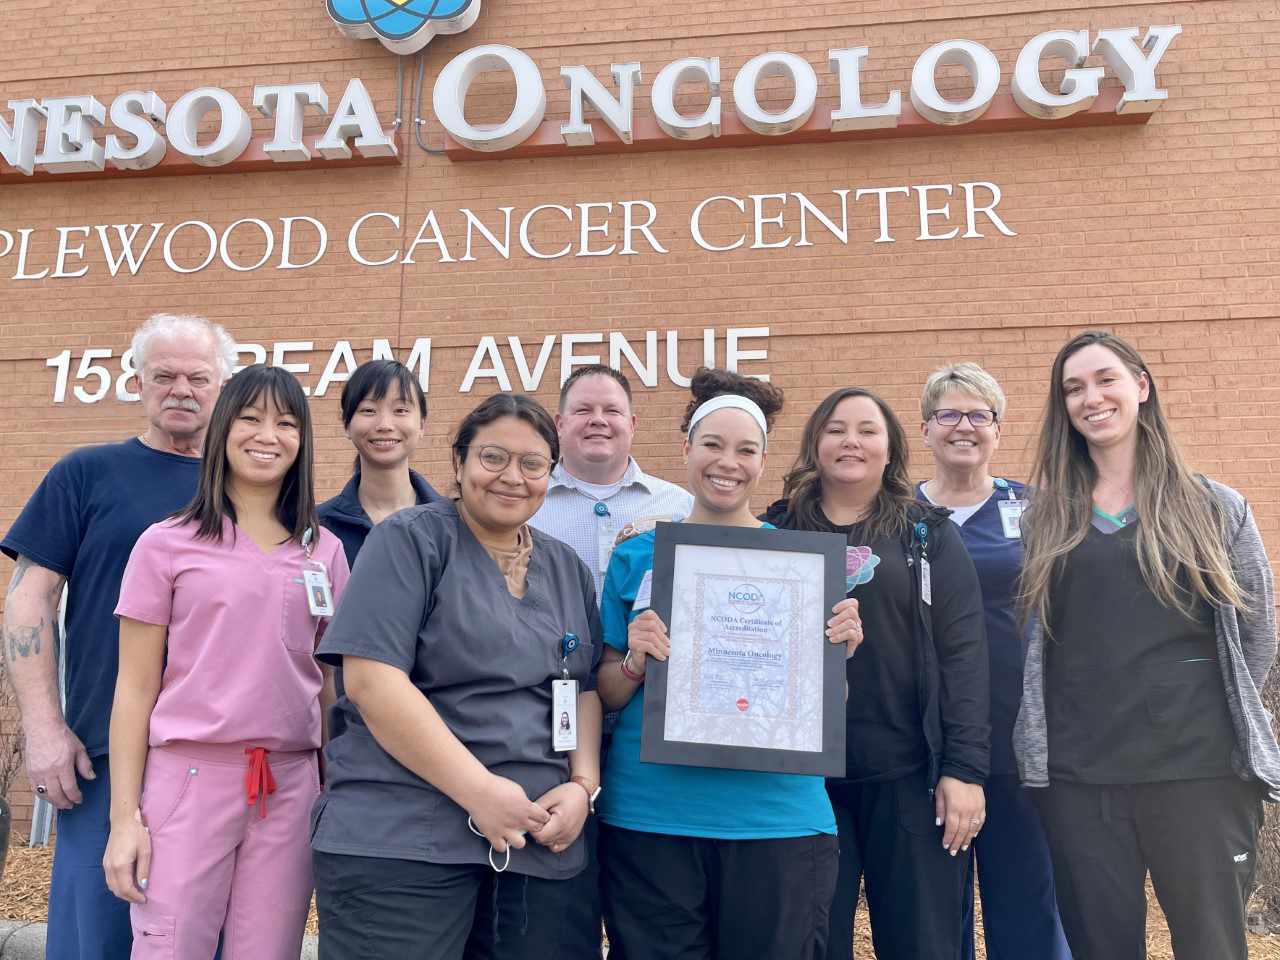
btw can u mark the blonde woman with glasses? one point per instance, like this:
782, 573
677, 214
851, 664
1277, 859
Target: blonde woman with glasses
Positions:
1153, 632
961, 413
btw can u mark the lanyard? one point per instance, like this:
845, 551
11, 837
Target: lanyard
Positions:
568, 644
315, 579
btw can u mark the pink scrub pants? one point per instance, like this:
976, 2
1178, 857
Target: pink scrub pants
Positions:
217, 862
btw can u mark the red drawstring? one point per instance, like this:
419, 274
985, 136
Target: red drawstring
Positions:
258, 778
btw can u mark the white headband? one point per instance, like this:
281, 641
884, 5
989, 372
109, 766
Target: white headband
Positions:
731, 401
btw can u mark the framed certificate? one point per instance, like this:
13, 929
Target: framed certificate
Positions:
752, 682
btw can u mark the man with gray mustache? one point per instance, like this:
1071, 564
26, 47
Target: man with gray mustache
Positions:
77, 530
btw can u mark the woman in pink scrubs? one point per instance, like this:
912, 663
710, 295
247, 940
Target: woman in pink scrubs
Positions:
218, 705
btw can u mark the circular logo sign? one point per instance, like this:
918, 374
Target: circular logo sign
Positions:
746, 598
742, 704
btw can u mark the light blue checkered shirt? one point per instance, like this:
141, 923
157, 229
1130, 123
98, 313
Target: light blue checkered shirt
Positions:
570, 513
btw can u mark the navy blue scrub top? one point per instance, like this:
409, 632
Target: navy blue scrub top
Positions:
998, 560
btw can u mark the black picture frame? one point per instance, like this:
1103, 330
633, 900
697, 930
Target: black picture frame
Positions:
655, 748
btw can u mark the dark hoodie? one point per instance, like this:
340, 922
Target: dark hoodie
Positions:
345, 517
918, 686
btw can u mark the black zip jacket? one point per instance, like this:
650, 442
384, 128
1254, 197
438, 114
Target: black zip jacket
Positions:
950, 642
345, 517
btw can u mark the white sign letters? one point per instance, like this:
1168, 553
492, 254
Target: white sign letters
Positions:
74, 141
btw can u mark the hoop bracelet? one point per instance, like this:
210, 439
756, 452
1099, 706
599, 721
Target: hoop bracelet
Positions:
633, 677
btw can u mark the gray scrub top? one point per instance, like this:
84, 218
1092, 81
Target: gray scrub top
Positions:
426, 597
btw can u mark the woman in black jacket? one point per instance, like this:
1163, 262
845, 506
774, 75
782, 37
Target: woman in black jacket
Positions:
911, 799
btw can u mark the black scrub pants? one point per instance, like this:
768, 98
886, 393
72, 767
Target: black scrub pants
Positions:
915, 888
373, 908
696, 898
1197, 837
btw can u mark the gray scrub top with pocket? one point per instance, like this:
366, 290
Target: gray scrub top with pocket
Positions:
426, 597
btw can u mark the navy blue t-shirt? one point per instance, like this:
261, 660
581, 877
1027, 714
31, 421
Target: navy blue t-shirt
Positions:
82, 522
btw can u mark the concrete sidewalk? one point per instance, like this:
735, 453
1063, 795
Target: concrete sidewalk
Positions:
24, 940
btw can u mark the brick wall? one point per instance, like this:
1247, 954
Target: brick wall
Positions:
1166, 232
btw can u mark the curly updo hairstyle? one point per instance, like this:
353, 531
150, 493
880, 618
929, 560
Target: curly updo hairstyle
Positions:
709, 383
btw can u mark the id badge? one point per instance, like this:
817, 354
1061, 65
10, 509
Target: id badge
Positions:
564, 715
315, 579
926, 581
644, 593
605, 537
1011, 518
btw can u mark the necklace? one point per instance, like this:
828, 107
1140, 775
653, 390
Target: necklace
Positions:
1125, 492
145, 442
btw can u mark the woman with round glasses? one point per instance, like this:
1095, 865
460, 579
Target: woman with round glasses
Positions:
1154, 629
960, 411
461, 643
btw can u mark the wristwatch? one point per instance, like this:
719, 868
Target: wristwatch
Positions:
592, 788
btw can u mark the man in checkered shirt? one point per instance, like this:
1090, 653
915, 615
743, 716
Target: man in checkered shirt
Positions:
596, 488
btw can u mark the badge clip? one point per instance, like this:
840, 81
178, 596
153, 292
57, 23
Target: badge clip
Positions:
564, 701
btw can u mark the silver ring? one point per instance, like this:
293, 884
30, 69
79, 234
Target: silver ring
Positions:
40, 788
976, 822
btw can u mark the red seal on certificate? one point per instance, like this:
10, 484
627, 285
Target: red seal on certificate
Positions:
742, 704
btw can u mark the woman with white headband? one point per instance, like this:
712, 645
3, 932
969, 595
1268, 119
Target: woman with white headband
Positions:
695, 862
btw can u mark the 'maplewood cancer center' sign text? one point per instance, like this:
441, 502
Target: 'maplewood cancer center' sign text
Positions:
547, 231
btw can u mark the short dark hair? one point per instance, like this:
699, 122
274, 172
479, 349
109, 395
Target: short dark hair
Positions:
505, 405
594, 370
296, 503
374, 380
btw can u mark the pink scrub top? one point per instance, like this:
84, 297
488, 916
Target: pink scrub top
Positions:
241, 661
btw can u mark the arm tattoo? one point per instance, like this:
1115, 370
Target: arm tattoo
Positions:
19, 572
23, 641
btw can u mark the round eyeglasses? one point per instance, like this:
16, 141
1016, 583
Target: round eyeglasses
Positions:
978, 418
534, 466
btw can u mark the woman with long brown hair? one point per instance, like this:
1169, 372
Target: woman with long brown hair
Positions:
1153, 630
911, 800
